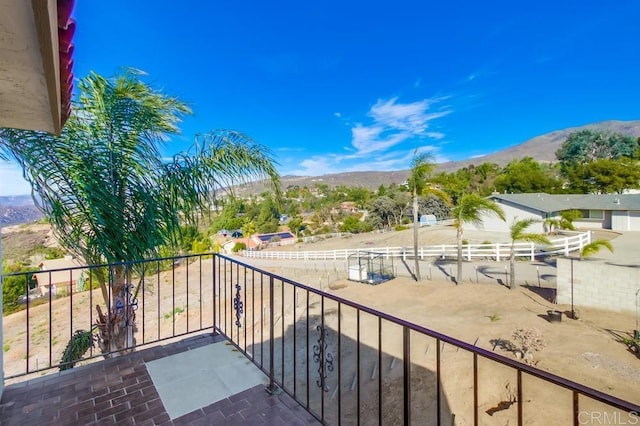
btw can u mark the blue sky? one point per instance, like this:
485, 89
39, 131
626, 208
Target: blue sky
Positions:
333, 86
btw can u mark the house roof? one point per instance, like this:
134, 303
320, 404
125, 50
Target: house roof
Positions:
36, 64
58, 271
549, 203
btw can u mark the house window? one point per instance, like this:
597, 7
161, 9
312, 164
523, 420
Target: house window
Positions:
596, 214
592, 214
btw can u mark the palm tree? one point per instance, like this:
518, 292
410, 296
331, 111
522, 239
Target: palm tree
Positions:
422, 166
109, 195
552, 225
594, 247
517, 229
470, 209
567, 217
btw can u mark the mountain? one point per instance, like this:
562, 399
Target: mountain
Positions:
541, 148
18, 209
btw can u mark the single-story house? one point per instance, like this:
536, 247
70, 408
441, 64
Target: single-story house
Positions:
56, 275
617, 212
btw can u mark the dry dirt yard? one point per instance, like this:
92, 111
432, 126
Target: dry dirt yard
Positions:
586, 350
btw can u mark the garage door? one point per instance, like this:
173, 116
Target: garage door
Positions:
634, 220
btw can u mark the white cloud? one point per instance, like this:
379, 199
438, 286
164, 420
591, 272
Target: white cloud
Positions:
337, 114
385, 161
13, 182
379, 143
394, 123
435, 135
367, 140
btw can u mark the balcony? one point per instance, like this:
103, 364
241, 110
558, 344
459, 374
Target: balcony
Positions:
218, 341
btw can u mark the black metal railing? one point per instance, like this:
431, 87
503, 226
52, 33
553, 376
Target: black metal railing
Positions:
165, 297
351, 364
344, 362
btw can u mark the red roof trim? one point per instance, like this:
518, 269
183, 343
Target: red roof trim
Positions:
66, 30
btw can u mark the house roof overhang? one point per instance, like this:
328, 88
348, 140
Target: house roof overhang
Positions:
36, 63
553, 203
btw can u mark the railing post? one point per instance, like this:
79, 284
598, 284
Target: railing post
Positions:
272, 386
406, 357
497, 252
576, 408
475, 389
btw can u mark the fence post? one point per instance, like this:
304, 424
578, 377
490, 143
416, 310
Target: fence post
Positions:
272, 387
497, 252
566, 246
533, 254
468, 252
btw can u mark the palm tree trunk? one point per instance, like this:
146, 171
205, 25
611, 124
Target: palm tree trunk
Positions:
116, 328
512, 269
415, 234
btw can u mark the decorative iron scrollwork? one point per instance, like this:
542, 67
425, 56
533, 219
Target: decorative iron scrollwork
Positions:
238, 306
323, 358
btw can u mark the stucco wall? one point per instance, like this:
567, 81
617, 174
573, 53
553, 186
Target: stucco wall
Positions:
598, 285
494, 223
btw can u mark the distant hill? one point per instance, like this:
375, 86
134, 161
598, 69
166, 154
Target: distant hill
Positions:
18, 209
14, 210
542, 148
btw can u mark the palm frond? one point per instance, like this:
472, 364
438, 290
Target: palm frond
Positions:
422, 165
595, 247
471, 208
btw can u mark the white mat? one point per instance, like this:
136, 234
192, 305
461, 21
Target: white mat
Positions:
196, 378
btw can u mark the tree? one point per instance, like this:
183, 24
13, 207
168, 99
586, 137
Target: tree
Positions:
422, 165
109, 195
437, 206
603, 176
470, 209
381, 212
526, 175
586, 145
15, 286
517, 230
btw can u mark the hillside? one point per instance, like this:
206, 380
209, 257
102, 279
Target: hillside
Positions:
541, 148
18, 209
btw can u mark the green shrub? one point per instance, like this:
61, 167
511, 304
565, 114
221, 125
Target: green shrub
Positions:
54, 253
200, 246
239, 247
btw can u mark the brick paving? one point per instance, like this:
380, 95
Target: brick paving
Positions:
120, 391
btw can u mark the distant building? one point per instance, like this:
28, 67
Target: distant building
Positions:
618, 212
57, 275
280, 238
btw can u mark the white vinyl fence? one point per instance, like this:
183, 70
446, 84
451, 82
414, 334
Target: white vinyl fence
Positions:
571, 241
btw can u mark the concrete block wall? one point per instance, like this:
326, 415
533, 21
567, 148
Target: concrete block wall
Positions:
597, 284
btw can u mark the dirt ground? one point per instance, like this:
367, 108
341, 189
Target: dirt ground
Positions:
587, 350
484, 313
